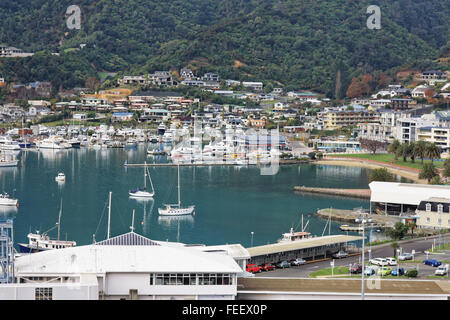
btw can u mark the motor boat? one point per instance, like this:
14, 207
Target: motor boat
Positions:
6, 200
61, 177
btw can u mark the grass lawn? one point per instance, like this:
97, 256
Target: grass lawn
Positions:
389, 158
327, 272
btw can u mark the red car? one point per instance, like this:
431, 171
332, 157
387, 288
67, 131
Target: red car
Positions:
253, 268
268, 267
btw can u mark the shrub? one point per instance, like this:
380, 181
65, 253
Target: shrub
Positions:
412, 273
312, 155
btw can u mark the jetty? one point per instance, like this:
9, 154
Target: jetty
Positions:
349, 216
207, 164
353, 193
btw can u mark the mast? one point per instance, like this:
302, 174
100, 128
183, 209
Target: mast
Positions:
145, 175
179, 199
59, 219
132, 223
109, 215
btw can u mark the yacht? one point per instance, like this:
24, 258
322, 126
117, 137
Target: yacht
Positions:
7, 161
131, 143
295, 236
10, 145
143, 193
53, 142
176, 209
6, 200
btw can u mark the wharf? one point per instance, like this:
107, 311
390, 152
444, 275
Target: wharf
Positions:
230, 163
349, 216
354, 193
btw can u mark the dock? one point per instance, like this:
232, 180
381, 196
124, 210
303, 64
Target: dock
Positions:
349, 216
225, 163
353, 193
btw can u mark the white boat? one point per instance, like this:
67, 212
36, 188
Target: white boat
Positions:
176, 209
53, 142
295, 236
8, 162
61, 177
131, 143
143, 193
5, 200
42, 242
10, 145
154, 139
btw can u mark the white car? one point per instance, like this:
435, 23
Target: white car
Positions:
391, 261
379, 262
405, 256
441, 270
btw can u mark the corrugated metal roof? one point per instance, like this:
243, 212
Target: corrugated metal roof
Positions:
301, 244
128, 239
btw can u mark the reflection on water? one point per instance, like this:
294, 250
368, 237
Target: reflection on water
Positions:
8, 211
173, 222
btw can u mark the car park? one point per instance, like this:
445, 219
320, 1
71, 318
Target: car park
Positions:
283, 264
384, 271
398, 272
441, 270
391, 262
432, 262
356, 268
405, 256
267, 267
298, 262
340, 254
253, 268
379, 262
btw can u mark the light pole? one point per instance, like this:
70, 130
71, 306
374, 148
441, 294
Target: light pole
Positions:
363, 221
252, 239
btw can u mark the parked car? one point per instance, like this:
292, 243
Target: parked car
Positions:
384, 271
411, 272
253, 268
370, 270
283, 264
340, 254
391, 261
432, 262
379, 262
405, 256
441, 270
356, 268
398, 272
267, 267
298, 262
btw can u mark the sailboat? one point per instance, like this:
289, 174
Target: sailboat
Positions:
143, 193
42, 242
176, 209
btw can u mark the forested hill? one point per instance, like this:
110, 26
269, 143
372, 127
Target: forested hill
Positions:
296, 43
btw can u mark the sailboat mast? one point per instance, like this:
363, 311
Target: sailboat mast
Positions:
109, 215
179, 199
145, 175
59, 219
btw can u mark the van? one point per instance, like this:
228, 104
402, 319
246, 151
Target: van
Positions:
391, 261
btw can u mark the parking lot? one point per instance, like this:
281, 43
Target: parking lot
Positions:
420, 246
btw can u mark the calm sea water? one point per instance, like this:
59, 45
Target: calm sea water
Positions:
230, 202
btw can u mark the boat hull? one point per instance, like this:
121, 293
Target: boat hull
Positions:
8, 202
141, 194
12, 163
176, 211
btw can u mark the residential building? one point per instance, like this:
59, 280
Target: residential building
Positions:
133, 80
212, 77
186, 74
406, 128
337, 119
193, 83
433, 76
434, 213
11, 52
376, 131
230, 83
255, 86
155, 115
162, 78
121, 116
419, 91
402, 103
330, 146
438, 135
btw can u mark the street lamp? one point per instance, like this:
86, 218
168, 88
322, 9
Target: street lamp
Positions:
363, 220
252, 239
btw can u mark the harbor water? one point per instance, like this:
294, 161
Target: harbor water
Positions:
231, 202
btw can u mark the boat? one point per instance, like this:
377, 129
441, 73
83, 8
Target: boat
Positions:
154, 139
10, 145
176, 209
75, 143
61, 177
131, 143
8, 162
53, 143
295, 236
6, 200
143, 193
42, 242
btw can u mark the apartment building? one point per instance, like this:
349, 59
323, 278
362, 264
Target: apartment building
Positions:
336, 119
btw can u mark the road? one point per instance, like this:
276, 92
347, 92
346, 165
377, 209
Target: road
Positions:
381, 251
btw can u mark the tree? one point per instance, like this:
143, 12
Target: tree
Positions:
395, 246
372, 145
393, 148
354, 90
412, 226
419, 150
92, 83
446, 172
436, 180
337, 89
432, 151
428, 172
399, 231
381, 174
404, 150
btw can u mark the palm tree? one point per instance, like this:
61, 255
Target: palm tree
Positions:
433, 151
404, 150
395, 245
420, 148
393, 148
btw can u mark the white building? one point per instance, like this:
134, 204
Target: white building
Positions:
129, 266
256, 86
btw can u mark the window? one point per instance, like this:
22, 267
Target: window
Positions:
440, 208
428, 219
43, 294
428, 207
151, 279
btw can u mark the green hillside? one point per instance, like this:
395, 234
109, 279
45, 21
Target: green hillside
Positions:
298, 43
